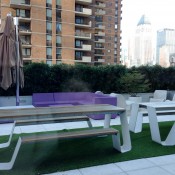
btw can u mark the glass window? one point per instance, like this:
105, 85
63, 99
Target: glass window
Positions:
78, 55
58, 51
58, 27
49, 1
49, 37
49, 62
26, 52
78, 43
49, 26
49, 51
58, 2
49, 13
59, 39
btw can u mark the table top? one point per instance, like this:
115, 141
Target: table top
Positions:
168, 104
61, 111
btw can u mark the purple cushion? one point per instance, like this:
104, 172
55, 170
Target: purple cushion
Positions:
6, 121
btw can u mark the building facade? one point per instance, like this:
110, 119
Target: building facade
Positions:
143, 43
68, 31
165, 46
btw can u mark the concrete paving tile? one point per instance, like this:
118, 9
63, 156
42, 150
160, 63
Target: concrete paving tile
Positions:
134, 164
149, 171
170, 168
71, 172
162, 160
108, 169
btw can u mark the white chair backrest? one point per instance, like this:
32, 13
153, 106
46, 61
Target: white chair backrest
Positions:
173, 98
98, 92
160, 94
121, 102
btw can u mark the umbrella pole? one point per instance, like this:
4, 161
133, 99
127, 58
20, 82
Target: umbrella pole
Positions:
17, 61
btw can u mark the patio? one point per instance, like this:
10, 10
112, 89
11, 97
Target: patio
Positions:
163, 165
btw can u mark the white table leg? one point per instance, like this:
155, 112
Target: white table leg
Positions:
107, 120
154, 127
125, 133
133, 121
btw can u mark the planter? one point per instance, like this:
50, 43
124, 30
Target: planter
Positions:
135, 99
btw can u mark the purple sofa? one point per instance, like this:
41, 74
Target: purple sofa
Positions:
73, 98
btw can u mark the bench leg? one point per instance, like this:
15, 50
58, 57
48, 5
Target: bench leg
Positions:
107, 120
170, 140
9, 165
133, 121
116, 141
89, 123
6, 144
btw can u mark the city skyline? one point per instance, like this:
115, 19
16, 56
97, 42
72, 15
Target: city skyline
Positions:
159, 12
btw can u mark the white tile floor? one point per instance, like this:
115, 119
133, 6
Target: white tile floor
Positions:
164, 165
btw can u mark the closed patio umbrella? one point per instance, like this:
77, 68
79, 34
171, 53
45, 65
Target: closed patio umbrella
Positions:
11, 63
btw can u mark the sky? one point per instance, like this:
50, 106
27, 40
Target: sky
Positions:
160, 12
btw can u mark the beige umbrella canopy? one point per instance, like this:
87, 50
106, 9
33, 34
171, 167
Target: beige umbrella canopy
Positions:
9, 55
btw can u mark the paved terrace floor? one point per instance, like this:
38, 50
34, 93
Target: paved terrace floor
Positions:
163, 165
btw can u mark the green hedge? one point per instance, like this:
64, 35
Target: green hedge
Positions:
40, 77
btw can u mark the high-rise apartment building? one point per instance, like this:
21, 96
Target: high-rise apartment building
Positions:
165, 46
143, 43
68, 31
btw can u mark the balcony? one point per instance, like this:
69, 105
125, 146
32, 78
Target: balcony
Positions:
101, 60
100, 33
86, 59
84, 25
20, 4
24, 31
83, 12
99, 26
100, 12
82, 35
24, 19
100, 40
84, 47
83, 1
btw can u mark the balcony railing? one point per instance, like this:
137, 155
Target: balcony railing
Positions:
100, 12
83, 35
84, 1
84, 47
100, 33
83, 11
21, 4
84, 25
99, 26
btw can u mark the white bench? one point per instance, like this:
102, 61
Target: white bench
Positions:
137, 114
62, 135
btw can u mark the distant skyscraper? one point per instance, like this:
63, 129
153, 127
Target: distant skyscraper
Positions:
143, 45
165, 46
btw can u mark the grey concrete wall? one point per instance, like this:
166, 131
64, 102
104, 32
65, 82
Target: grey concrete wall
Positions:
11, 101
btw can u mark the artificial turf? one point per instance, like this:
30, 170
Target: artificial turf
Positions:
52, 156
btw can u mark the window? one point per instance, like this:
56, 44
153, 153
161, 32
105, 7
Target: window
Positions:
58, 2
23, 13
58, 39
79, 8
49, 27
58, 27
49, 14
58, 51
49, 52
26, 52
49, 3
78, 55
25, 39
78, 43
58, 14
79, 20
49, 40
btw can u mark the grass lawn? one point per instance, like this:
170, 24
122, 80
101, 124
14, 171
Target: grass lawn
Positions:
49, 157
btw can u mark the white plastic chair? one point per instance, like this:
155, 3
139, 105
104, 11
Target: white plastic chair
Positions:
159, 96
